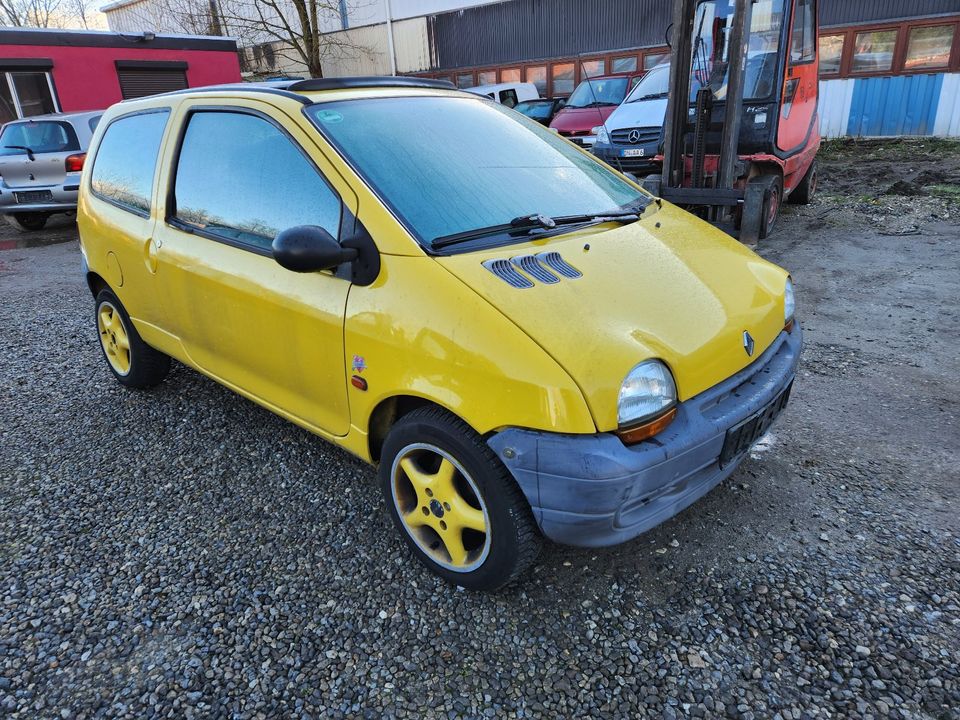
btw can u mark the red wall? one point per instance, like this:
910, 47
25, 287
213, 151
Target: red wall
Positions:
86, 77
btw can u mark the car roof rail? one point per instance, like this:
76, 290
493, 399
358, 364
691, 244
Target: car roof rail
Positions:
369, 81
273, 88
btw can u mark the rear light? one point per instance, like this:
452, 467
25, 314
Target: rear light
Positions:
74, 163
647, 430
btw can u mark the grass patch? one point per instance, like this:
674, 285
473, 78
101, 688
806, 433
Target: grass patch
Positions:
950, 192
887, 148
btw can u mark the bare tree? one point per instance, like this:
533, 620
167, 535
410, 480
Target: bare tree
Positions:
47, 13
301, 32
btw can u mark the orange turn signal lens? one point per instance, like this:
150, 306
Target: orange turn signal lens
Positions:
789, 326
632, 435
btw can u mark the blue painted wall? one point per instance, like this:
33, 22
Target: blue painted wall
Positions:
899, 105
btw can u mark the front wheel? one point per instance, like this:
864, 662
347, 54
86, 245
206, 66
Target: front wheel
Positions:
454, 502
804, 192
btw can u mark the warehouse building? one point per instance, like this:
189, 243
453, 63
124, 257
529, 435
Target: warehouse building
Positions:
47, 71
888, 67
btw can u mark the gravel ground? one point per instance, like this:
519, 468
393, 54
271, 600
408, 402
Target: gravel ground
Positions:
183, 553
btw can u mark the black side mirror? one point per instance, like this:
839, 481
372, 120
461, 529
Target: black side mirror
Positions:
307, 248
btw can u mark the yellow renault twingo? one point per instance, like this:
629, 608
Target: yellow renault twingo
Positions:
522, 340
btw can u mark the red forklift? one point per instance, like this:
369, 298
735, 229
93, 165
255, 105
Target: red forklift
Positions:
741, 131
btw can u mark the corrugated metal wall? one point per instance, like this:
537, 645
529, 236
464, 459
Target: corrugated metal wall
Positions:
534, 29
363, 50
853, 12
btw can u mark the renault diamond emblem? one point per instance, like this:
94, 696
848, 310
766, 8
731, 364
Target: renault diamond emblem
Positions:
634, 136
748, 343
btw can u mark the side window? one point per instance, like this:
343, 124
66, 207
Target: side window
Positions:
127, 158
508, 98
243, 179
803, 41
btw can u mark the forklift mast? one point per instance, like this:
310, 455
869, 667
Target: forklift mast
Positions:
713, 163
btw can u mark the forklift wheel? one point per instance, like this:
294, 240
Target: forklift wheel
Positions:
804, 192
771, 207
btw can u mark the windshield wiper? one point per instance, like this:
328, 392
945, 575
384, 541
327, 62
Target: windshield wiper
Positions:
22, 147
524, 224
652, 96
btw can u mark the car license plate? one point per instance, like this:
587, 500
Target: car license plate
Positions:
34, 196
633, 152
743, 435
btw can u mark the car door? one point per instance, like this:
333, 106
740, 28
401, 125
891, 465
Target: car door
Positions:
240, 174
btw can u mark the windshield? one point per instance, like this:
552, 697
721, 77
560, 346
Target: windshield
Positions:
592, 93
655, 84
41, 137
711, 30
535, 109
448, 165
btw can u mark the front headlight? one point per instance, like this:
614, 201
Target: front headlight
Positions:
789, 305
600, 131
646, 392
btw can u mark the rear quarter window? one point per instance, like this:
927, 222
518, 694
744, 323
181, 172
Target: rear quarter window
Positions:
127, 159
47, 136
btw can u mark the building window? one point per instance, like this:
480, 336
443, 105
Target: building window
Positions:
624, 64
929, 47
25, 94
873, 51
465, 80
562, 75
511, 75
804, 33
537, 74
831, 54
651, 60
593, 68
487, 77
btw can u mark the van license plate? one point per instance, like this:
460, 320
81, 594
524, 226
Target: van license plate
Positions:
633, 152
34, 196
743, 435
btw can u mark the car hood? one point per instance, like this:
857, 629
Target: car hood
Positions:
683, 292
642, 113
581, 120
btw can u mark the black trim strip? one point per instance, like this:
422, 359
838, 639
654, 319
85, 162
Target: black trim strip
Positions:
61, 38
369, 81
26, 64
235, 87
150, 64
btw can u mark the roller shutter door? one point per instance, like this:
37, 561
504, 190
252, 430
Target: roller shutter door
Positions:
141, 82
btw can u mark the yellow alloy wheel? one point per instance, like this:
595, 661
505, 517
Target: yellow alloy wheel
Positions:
440, 507
114, 338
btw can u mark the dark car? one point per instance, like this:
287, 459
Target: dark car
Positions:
542, 110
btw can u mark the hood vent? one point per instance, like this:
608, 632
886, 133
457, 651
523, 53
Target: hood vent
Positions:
544, 268
560, 266
532, 267
504, 270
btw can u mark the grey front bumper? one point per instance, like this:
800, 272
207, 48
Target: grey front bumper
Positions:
592, 490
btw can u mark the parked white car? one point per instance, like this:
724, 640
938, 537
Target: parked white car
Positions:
508, 94
630, 137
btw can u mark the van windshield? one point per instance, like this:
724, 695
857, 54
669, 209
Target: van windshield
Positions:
449, 165
45, 136
655, 84
600, 92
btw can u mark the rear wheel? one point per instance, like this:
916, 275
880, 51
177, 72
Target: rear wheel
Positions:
132, 362
804, 192
771, 207
30, 221
454, 503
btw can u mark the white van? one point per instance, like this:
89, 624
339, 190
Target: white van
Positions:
508, 94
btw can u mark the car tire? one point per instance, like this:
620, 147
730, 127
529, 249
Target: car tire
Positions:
454, 503
132, 362
804, 192
772, 199
30, 222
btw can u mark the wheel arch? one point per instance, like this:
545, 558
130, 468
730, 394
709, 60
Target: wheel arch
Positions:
386, 414
96, 283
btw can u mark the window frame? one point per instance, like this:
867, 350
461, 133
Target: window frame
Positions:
894, 58
15, 97
815, 57
140, 212
952, 56
843, 52
170, 218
